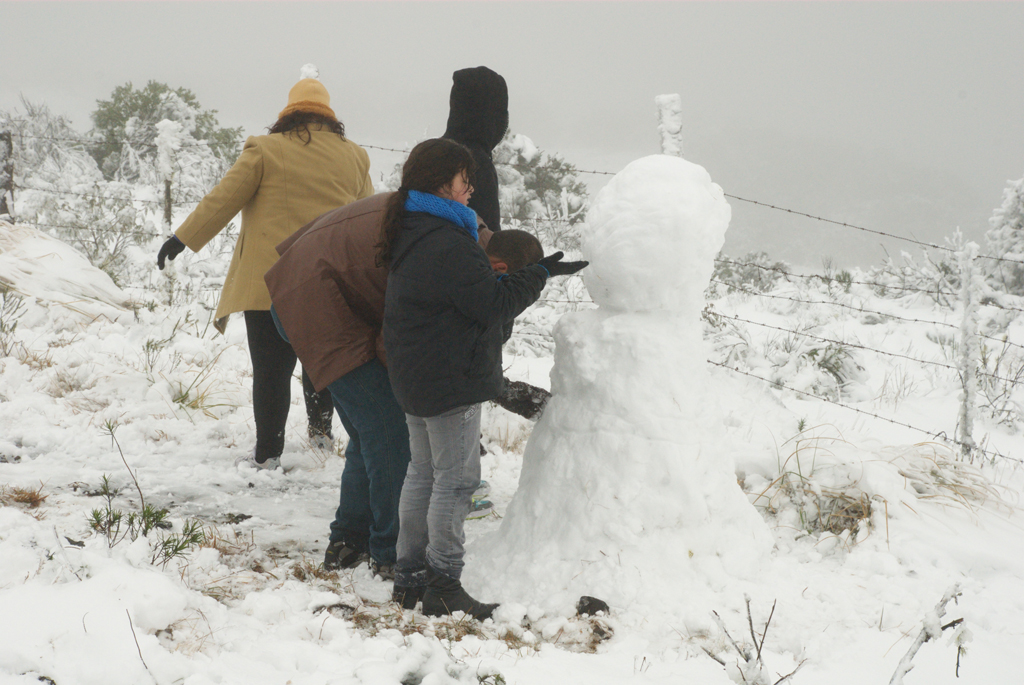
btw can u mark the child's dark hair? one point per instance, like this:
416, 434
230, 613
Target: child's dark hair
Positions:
430, 168
516, 248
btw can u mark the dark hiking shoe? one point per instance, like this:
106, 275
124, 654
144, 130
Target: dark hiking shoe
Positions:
445, 596
339, 555
408, 597
385, 571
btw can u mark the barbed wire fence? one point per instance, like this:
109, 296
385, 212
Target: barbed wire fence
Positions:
968, 447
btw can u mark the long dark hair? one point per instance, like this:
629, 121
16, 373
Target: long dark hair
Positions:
431, 167
300, 121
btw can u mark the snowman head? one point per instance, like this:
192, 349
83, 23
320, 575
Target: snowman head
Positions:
653, 234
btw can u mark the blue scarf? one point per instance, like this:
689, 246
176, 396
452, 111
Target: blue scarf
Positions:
450, 210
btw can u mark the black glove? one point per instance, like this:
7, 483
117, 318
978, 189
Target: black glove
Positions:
556, 267
169, 250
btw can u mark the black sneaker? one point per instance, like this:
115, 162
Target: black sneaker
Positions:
340, 555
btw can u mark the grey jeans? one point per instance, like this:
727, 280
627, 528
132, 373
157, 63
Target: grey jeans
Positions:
443, 473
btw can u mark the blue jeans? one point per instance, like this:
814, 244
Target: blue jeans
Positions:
375, 460
439, 484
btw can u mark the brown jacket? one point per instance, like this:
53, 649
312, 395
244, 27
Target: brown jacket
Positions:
279, 184
329, 294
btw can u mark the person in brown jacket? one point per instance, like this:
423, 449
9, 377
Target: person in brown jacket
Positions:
328, 298
281, 181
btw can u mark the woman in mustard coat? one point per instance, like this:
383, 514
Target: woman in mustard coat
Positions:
303, 168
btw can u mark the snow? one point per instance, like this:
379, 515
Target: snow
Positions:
33, 263
606, 495
309, 71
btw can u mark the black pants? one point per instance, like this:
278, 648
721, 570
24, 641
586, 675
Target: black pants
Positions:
273, 361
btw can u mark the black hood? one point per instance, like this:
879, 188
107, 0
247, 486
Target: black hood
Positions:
478, 108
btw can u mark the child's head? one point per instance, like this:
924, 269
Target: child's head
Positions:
434, 166
510, 250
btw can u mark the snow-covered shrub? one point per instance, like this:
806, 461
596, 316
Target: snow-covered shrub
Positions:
754, 271
1005, 239
999, 383
12, 307
828, 487
796, 359
938, 278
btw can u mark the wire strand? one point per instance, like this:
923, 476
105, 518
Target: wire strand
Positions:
939, 435
861, 347
862, 311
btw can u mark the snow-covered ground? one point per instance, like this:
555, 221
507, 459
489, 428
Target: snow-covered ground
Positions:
868, 523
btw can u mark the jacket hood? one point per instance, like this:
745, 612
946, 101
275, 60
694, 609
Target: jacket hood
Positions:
478, 108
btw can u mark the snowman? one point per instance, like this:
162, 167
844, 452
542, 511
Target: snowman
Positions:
622, 493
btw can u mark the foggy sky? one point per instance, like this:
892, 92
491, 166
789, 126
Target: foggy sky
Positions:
900, 117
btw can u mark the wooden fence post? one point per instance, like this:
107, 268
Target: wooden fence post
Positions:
670, 123
970, 350
6, 173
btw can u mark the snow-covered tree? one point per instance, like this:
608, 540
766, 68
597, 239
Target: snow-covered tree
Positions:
537, 186
1005, 239
61, 190
125, 131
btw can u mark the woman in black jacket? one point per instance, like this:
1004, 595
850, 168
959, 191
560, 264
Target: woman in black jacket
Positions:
443, 316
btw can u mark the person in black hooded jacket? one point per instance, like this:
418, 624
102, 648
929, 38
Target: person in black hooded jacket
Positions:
444, 311
478, 118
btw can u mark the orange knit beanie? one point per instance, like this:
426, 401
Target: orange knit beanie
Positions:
308, 95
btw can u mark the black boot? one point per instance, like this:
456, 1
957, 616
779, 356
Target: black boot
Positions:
407, 596
445, 595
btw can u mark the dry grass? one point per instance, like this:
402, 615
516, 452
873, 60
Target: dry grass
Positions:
307, 571
26, 497
935, 473
514, 438
37, 361
515, 642
228, 545
63, 341
821, 509
89, 405
897, 385
455, 629
187, 635
199, 394
829, 497
65, 383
